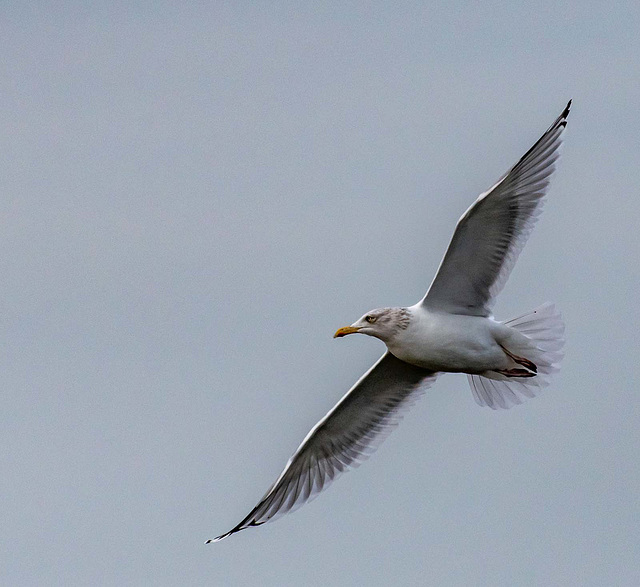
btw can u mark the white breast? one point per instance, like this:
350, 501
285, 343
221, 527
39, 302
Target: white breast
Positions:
449, 342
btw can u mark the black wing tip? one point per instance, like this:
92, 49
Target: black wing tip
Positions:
562, 119
242, 526
223, 536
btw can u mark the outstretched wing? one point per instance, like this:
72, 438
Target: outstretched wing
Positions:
346, 436
492, 232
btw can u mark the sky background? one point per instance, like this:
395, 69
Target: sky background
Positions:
194, 196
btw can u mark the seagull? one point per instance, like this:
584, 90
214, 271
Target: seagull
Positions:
450, 330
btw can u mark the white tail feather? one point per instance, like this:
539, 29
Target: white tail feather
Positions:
544, 332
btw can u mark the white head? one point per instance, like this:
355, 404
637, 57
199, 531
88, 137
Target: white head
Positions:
383, 323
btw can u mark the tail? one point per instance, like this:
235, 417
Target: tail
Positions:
542, 344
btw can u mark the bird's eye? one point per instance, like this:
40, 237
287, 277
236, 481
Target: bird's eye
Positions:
370, 319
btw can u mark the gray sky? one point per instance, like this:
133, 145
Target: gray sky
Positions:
196, 195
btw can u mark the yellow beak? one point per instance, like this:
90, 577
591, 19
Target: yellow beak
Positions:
344, 331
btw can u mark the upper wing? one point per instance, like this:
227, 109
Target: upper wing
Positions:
346, 436
491, 233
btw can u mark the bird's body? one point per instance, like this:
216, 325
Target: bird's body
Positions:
451, 329
451, 343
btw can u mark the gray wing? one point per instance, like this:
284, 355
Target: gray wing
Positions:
492, 232
346, 436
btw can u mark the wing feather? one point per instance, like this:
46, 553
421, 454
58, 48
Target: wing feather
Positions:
492, 232
345, 437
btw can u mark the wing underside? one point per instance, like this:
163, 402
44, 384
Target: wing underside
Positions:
345, 437
492, 232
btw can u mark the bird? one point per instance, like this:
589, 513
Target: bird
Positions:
450, 330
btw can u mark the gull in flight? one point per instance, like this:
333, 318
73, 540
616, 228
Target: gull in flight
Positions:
450, 330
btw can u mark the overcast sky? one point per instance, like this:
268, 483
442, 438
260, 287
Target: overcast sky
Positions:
194, 196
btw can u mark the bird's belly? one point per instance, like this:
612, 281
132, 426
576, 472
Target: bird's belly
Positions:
458, 344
